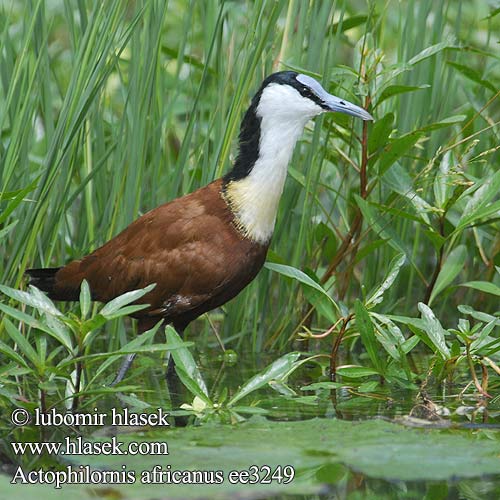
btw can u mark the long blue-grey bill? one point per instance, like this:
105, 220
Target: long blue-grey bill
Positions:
333, 103
342, 106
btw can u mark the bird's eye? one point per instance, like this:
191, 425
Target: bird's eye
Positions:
306, 91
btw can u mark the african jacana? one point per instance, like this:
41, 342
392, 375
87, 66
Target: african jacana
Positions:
202, 249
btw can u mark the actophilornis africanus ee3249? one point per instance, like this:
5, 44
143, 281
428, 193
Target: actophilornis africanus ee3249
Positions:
202, 249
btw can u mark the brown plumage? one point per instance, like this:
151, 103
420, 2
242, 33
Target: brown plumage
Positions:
202, 249
189, 247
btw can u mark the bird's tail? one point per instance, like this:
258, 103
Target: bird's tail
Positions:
44, 279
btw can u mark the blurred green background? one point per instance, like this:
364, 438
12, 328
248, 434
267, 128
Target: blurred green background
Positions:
108, 109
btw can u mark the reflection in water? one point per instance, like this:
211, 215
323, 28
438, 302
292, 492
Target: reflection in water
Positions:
355, 400
439, 407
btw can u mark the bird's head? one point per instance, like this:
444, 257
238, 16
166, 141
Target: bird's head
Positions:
294, 96
285, 102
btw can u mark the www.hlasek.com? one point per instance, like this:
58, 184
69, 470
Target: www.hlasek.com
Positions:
157, 474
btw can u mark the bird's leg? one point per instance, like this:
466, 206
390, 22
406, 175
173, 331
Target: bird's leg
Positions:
143, 326
126, 364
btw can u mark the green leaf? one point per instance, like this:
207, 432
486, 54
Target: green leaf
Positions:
380, 224
446, 122
300, 276
492, 14
322, 386
60, 332
93, 324
397, 148
393, 90
33, 298
473, 75
484, 286
367, 333
51, 324
133, 347
377, 295
389, 335
278, 370
483, 338
398, 179
23, 317
355, 371
18, 197
484, 215
443, 183
479, 315
190, 59
7, 229
408, 345
430, 51
281, 388
85, 299
13, 355
349, 23
434, 330
186, 366
320, 450
369, 249
380, 133
125, 311
22, 343
323, 306
484, 191
111, 308
452, 266
192, 385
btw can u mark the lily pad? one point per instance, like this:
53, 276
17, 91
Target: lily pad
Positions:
376, 448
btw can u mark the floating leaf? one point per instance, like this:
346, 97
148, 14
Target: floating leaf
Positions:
374, 448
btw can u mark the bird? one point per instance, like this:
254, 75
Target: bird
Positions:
203, 248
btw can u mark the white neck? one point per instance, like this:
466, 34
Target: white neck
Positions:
255, 198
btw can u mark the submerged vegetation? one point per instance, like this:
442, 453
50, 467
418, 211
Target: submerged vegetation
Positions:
384, 270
